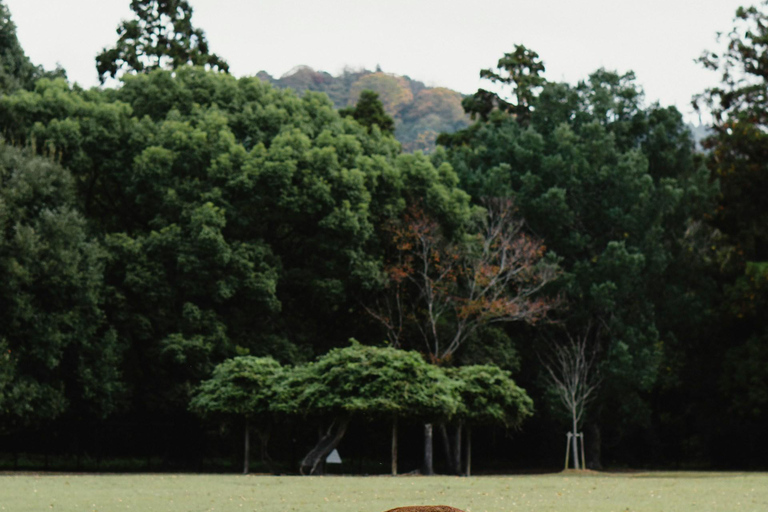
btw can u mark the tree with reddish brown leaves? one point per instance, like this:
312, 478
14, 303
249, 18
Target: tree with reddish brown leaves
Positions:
441, 291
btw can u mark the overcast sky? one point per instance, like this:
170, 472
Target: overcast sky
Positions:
440, 42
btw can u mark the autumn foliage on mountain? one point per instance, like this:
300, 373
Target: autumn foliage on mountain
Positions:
421, 113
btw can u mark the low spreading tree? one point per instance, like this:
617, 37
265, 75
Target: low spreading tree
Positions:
379, 384
241, 387
487, 396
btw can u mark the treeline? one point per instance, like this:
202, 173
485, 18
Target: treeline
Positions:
190, 243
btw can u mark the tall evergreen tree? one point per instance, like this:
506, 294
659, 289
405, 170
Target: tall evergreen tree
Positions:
161, 36
369, 111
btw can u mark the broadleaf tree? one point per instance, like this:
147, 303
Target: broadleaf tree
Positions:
441, 292
242, 387
488, 396
379, 384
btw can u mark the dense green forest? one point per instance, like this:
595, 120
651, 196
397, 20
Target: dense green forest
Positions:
189, 258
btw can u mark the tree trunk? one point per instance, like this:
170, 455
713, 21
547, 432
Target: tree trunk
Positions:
457, 448
428, 467
247, 448
575, 446
264, 435
469, 451
593, 447
447, 448
327, 443
394, 446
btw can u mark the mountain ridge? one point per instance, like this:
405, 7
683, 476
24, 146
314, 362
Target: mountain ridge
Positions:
420, 112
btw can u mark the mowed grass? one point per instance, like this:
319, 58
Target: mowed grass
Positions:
641, 492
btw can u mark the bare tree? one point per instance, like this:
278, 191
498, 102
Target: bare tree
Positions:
572, 370
441, 292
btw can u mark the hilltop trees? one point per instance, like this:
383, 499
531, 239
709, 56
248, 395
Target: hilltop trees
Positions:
369, 111
420, 113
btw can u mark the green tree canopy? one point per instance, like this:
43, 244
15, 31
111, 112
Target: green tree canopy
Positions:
363, 381
489, 396
369, 111
520, 70
738, 230
370, 382
243, 387
16, 70
393, 90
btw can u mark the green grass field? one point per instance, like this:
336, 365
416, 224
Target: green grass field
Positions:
638, 492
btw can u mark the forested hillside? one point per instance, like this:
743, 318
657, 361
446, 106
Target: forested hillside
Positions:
191, 258
421, 113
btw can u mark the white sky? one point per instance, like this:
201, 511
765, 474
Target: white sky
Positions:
440, 42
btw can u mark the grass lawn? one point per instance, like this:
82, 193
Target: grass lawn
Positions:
638, 492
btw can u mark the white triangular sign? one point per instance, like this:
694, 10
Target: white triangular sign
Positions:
333, 457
